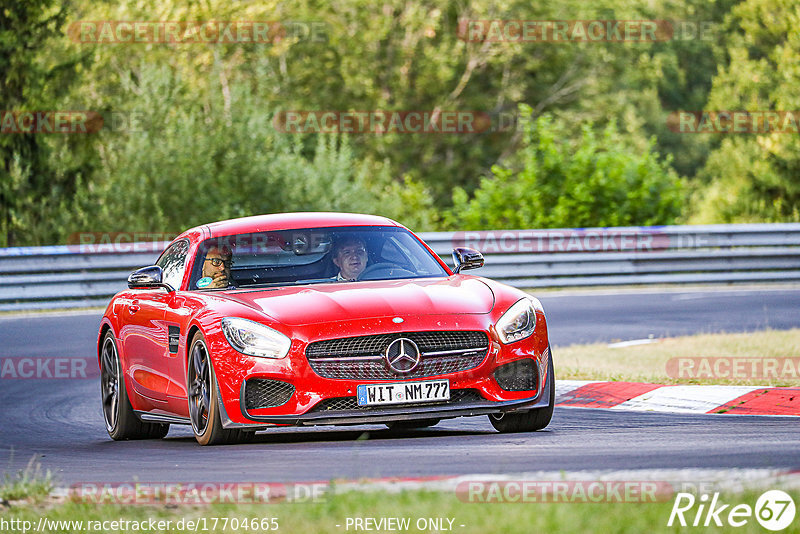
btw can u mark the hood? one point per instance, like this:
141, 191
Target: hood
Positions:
296, 306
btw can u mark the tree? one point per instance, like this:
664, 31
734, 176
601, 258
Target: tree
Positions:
560, 182
198, 164
395, 55
32, 79
756, 176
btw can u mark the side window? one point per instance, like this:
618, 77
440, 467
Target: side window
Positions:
173, 261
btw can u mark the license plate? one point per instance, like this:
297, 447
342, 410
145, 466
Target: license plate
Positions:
403, 392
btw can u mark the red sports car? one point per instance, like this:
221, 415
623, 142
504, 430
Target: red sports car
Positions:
317, 319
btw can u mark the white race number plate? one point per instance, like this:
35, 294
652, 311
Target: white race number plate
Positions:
403, 392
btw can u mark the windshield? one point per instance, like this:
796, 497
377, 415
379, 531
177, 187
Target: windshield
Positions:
312, 256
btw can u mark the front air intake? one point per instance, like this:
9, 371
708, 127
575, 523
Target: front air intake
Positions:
520, 375
263, 393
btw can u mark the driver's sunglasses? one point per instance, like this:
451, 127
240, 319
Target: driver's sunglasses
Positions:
216, 262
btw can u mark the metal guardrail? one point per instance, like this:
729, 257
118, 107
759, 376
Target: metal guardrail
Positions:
74, 276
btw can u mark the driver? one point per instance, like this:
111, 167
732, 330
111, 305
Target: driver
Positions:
216, 268
350, 256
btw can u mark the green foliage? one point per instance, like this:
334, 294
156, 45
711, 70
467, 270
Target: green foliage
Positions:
754, 177
561, 182
490, 508
29, 483
747, 184
187, 165
32, 77
207, 148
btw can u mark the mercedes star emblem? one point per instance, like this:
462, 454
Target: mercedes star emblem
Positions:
402, 355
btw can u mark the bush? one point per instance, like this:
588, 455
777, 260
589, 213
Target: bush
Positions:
199, 164
560, 182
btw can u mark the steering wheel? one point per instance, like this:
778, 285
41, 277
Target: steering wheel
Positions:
390, 270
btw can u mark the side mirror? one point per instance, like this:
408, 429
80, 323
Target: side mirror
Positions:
148, 278
466, 258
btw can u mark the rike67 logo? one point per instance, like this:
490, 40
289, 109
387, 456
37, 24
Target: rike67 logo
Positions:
774, 510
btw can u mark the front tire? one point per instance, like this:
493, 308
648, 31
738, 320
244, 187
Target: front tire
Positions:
203, 399
121, 421
531, 420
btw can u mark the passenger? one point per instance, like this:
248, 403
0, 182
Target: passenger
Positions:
350, 256
216, 268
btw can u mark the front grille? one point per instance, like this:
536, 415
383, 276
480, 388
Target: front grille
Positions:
336, 404
263, 393
362, 358
520, 375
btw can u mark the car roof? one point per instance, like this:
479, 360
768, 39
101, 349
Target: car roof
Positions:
286, 221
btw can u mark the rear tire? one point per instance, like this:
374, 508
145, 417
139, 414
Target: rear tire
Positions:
203, 399
531, 420
121, 421
412, 424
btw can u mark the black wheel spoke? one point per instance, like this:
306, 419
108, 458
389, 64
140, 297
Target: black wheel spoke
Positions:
108, 356
113, 412
206, 401
108, 395
109, 383
198, 361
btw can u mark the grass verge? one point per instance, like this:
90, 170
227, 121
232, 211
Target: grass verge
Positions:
331, 515
30, 484
648, 362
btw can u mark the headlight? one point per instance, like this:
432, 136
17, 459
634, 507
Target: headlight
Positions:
519, 321
255, 339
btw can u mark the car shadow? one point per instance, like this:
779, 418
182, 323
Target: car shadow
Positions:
301, 435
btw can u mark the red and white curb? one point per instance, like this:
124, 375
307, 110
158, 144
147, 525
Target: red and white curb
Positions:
635, 396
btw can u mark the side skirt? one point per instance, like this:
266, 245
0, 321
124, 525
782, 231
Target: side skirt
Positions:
161, 418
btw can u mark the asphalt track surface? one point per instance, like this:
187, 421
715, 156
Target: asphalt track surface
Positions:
60, 420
